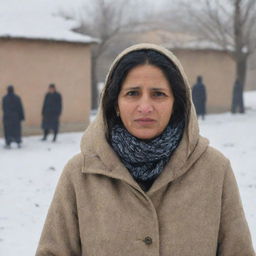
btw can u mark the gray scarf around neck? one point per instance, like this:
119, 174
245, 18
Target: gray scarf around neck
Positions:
145, 160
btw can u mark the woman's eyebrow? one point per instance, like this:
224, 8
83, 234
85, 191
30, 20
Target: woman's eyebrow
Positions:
158, 89
132, 88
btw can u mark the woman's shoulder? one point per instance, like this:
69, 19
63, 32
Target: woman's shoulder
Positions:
214, 153
214, 158
74, 165
78, 163
208, 154
212, 164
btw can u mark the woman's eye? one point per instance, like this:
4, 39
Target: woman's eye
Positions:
132, 93
159, 94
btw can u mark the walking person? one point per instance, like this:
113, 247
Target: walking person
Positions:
51, 112
13, 114
199, 97
145, 181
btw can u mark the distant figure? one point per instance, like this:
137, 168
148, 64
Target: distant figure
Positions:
237, 100
13, 114
199, 97
51, 111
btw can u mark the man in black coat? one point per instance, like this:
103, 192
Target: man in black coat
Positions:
13, 114
199, 97
51, 111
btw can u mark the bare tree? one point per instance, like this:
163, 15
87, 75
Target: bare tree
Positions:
105, 19
231, 24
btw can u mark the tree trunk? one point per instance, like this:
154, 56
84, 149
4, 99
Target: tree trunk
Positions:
94, 84
97, 52
238, 89
240, 59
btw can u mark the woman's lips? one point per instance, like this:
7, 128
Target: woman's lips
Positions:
145, 121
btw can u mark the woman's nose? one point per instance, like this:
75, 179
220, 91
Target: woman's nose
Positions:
145, 105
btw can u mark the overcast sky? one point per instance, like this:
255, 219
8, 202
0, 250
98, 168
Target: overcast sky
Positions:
42, 6
53, 5
18, 10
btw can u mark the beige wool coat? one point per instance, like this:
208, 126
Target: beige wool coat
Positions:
192, 209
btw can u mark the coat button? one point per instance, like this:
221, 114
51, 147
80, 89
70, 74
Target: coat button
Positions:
148, 240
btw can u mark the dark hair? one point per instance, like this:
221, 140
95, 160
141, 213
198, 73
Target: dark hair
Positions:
119, 73
10, 89
199, 79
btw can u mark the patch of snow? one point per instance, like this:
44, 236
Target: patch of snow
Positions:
250, 99
27, 181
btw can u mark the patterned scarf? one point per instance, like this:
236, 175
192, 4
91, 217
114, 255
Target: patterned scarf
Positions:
145, 160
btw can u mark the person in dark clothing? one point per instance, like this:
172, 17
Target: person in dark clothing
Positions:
199, 97
13, 114
237, 100
51, 111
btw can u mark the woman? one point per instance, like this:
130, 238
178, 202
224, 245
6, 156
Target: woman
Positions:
146, 182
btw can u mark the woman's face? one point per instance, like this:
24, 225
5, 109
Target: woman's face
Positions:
145, 102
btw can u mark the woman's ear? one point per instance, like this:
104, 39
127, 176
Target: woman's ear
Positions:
118, 113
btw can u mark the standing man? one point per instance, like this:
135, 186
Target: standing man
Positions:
13, 114
199, 97
51, 111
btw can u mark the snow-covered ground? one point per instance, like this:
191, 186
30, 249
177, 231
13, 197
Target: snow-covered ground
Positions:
28, 176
